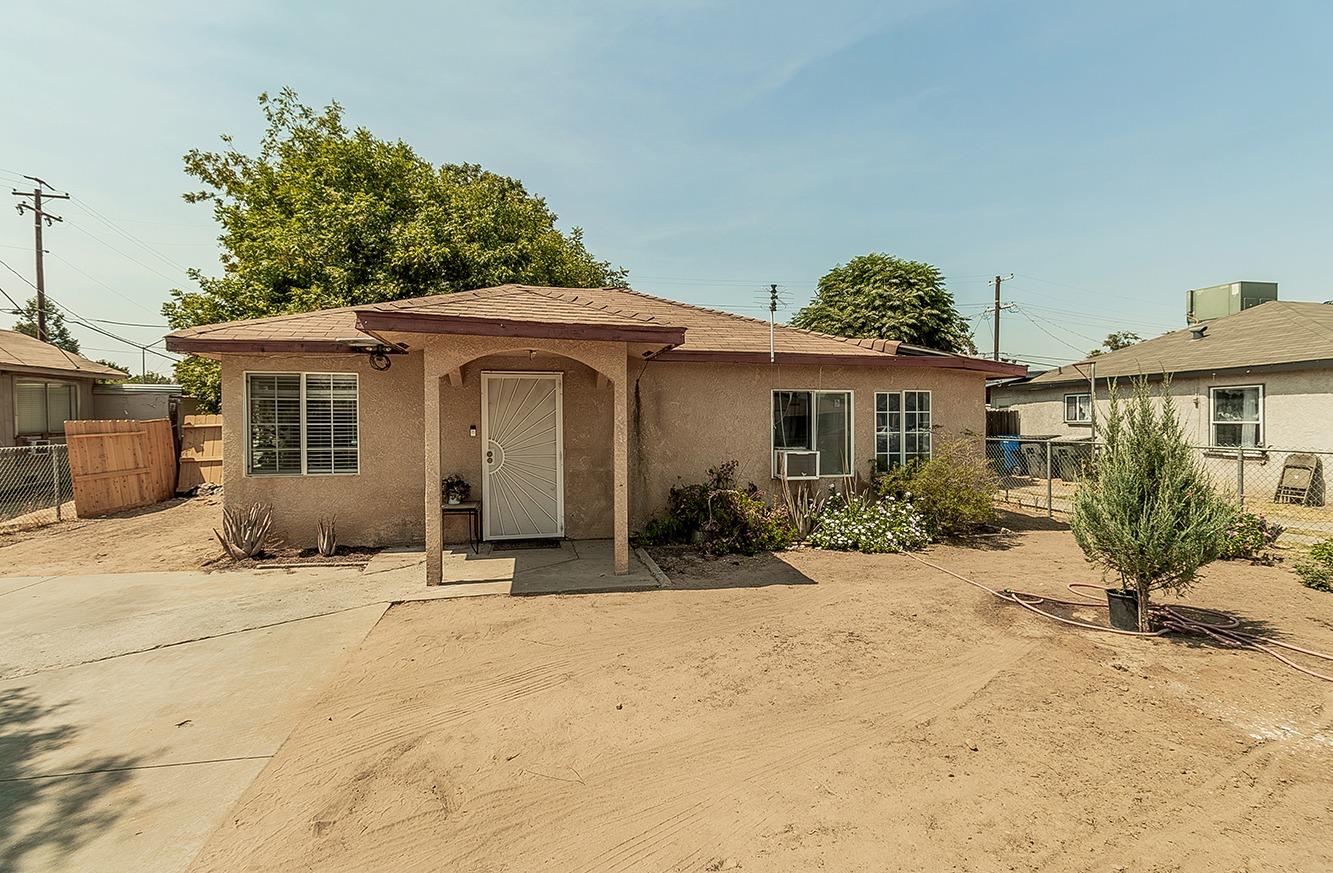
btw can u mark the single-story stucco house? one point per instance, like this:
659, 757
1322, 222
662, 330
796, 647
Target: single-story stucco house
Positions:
41, 387
1260, 378
570, 411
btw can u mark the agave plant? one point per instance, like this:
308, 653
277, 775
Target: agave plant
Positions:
804, 503
245, 532
326, 539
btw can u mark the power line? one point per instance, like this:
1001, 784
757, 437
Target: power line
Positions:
92, 278
1060, 340
91, 210
123, 254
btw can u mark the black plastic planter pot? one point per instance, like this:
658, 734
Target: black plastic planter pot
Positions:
1124, 609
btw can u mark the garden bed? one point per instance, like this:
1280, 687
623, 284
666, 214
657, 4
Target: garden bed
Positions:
343, 556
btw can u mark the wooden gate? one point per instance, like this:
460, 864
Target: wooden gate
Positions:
201, 451
116, 465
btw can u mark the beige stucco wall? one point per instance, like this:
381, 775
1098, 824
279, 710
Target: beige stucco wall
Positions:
587, 439
1298, 406
691, 417
380, 505
681, 419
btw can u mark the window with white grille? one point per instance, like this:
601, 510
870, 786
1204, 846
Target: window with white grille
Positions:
902, 427
302, 423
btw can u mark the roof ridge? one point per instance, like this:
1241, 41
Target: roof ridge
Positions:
572, 296
776, 324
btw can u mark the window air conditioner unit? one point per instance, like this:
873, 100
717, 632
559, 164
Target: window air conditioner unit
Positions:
798, 465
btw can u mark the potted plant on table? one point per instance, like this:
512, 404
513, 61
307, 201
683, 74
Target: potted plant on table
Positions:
1148, 511
456, 489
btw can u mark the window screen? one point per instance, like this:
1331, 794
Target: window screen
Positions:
275, 423
1238, 416
330, 423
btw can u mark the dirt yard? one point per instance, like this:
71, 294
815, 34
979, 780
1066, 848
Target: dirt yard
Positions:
885, 717
175, 535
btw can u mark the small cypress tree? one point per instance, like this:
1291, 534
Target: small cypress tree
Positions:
1148, 511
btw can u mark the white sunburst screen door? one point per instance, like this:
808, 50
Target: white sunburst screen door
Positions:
523, 487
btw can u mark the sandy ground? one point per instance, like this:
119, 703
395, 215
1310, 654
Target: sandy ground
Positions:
175, 535
884, 717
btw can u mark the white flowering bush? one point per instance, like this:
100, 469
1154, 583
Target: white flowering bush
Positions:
860, 523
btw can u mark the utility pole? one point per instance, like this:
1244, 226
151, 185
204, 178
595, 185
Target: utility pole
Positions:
39, 215
998, 307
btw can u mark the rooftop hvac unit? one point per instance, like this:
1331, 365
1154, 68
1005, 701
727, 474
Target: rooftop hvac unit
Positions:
798, 465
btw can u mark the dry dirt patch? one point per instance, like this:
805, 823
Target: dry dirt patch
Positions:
887, 717
175, 535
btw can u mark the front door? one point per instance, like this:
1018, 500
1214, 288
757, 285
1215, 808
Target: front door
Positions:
523, 488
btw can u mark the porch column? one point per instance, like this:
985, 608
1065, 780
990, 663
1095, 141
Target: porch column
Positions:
434, 520
620, 461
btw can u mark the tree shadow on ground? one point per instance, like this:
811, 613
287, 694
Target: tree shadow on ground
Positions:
50, 810
688, 568
1006, 531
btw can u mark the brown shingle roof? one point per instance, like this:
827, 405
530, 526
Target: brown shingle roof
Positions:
1275, 333
689, 331
18, 351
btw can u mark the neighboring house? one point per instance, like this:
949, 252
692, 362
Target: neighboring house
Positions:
1261, 377
41, 387
571, 411
142, 401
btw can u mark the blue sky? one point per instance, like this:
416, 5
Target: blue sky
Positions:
1111, 156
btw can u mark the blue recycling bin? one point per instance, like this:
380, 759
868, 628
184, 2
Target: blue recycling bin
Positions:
1009, 448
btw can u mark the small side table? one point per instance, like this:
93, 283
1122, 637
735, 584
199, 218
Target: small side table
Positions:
472, 509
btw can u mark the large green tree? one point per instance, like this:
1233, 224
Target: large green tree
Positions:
883, 297
323, 216
57, 334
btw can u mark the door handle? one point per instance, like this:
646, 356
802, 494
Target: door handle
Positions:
490, 456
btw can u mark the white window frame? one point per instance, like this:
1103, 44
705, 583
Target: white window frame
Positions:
46, 404
302, 374
1212, 415
1065, 407
902, 433
814, 429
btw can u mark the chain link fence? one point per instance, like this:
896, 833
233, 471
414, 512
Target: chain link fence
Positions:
1286, 486
34, 486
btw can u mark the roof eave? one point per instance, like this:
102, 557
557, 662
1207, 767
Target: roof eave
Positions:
206, 347
946, 362
416, 322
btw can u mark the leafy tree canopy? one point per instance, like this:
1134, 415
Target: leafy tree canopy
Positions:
883, 297
57, 334
1121, 339
325, 216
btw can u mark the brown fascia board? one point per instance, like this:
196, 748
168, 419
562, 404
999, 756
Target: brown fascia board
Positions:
203, 346
413, 322
58, 373
1066, 380
948, 362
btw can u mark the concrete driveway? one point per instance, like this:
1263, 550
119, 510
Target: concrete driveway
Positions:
136, 708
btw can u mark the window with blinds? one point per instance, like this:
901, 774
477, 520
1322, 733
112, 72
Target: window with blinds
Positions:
330, 423
302, 423
44, 407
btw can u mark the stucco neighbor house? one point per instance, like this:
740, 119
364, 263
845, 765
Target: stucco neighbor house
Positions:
570, 411
1260, 378
41, 387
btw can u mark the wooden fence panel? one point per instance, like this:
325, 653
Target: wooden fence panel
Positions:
116, 465
201, 451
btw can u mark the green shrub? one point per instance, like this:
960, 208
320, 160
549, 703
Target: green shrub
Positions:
954, 491
722, 518
1248, 536
740, 522
1316, 571
864, 523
